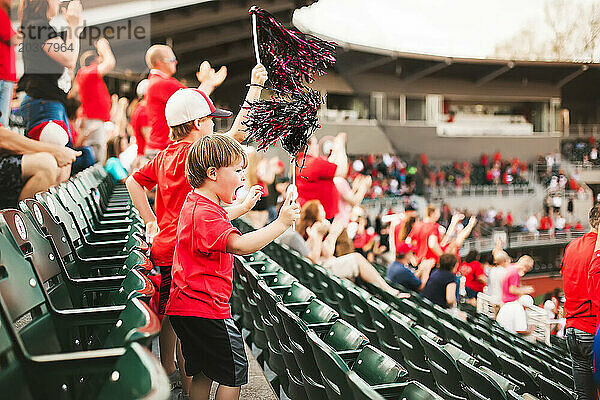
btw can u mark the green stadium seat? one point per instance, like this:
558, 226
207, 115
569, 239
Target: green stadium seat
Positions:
364, 322
294, 375
553, 390
444, 369
479, 384
339, 286
454, 335
412, 348
297, 294
296, 332
380, 313
344, 338
377, 369
65, 288
519, 373
411, 390
485, 353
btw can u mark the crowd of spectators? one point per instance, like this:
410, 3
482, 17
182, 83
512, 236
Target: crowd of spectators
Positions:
581, 150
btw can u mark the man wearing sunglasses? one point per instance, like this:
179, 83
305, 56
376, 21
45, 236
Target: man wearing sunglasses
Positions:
163, 65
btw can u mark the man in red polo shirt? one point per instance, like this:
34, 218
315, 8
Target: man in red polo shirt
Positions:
581, 311
163, 65
94, 96
315, 180
8, 76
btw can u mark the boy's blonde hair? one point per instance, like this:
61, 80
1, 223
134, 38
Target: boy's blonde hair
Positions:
215, 150
181, 131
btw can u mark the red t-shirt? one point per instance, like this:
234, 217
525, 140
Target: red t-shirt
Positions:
8, 70
93, 93
139, 120
575, 270
315, 181
202, 271
160, 88
511, 278
419, 236
167, 172
471, 271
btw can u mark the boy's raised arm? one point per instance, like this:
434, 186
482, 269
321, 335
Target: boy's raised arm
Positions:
256, 240
259, 77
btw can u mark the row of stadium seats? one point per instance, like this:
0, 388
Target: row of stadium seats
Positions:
476, 359
74, 318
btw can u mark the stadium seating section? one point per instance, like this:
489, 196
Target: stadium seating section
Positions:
329, 338
74, 316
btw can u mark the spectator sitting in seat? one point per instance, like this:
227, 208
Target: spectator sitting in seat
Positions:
309, 240
402, 271
474, 274
115, 146
441, 286
28, 166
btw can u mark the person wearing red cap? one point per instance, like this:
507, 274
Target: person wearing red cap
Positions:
402, 272
189, 113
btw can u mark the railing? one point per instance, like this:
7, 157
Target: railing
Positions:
583, 130
516, 240
482, 191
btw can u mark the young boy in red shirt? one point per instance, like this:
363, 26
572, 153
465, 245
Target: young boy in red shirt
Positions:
189, 114
198, 306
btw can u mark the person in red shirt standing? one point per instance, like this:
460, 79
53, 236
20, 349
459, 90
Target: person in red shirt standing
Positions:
315, 180
580, 285
189, 112
8, 75
425, 236
140, 123
94, 96
163, 65
198, 306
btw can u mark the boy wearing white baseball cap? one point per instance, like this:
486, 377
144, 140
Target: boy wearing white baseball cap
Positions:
189, 114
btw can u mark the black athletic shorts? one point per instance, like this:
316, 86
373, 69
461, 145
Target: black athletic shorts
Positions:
165, 288
213, 347
11, 180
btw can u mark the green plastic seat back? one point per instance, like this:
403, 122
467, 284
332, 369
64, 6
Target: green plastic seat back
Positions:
263, 266
380, 314
553, 390
24, 302
361, 389
135, 285
343, 336
298, 293
518, 372
443, 368
332, 367
296, 332
63, 217
377, 368
431, 322
26, 237
537, 363
72, 192
407, 338
136, 375
318, 312
454, 336
136, 323
12, 377
77, 213
417, 391
485, 354
38, 213
282, 278
479, 383
361, 311
509, 349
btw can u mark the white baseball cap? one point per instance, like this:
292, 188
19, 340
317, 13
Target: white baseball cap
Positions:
186, 105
